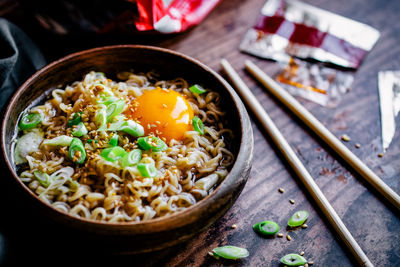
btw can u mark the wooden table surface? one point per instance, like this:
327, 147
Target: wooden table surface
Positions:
372, 221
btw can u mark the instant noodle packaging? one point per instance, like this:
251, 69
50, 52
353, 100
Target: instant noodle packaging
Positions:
289, 31
171, 16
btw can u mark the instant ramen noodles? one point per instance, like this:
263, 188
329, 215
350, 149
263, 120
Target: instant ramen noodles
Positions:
121, 151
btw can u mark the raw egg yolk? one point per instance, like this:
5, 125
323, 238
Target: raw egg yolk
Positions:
163, 112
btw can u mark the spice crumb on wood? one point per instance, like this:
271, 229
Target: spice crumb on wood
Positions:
345, 138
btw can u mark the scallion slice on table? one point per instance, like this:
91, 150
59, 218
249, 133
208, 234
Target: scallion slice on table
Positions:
298, 218
77, 151
198, 125
79, 130
151, 142
114, 109
293, 260
62, 140
230, 252
266, 228
113, 140
147, 170
197, 89
131, 158
29, 121
113, 153
42, 177
76, 119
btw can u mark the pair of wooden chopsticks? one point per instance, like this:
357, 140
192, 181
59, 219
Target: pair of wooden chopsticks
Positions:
294, 161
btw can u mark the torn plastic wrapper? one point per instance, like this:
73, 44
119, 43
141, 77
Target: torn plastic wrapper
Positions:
389, 96
171, 16
289, 28
315, 82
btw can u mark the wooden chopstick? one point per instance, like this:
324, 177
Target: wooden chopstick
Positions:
296, 164
317, 127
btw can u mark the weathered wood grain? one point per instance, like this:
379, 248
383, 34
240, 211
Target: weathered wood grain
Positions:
374, 225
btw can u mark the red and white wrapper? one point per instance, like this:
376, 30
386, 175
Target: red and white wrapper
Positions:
291, 28
172, 16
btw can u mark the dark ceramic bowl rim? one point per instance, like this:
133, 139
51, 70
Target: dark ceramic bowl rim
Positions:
184, 213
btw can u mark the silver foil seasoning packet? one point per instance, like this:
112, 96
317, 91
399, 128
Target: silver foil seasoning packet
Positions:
291, 28
389, 98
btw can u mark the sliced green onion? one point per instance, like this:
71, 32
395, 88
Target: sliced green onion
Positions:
298, 218
113, 140
132, 128
115, 109
108, 100
77, 151
62, 140
230, 252
131, 158
293, 260
43, 178
101, 119
29, 121
266, 228
147, 170
99, 74
151, 142
197, 89
92, 140
113, 153
80, 130
116, 126
76, 119
198, 125
73, 185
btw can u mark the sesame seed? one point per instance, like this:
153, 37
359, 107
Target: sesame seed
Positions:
210, 253
380, 155
357, 145
302, 253
345, 138
288, 237
234, 226
304, 226
281, 190
291, 201
310, 263
280, 235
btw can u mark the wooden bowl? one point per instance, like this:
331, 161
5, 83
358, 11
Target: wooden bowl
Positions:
160, 232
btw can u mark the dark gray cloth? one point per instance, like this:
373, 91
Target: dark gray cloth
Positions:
19, 59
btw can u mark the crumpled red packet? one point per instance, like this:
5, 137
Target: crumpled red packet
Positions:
172, 16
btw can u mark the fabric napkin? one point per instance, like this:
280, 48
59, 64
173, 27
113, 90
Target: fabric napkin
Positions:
19, 59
